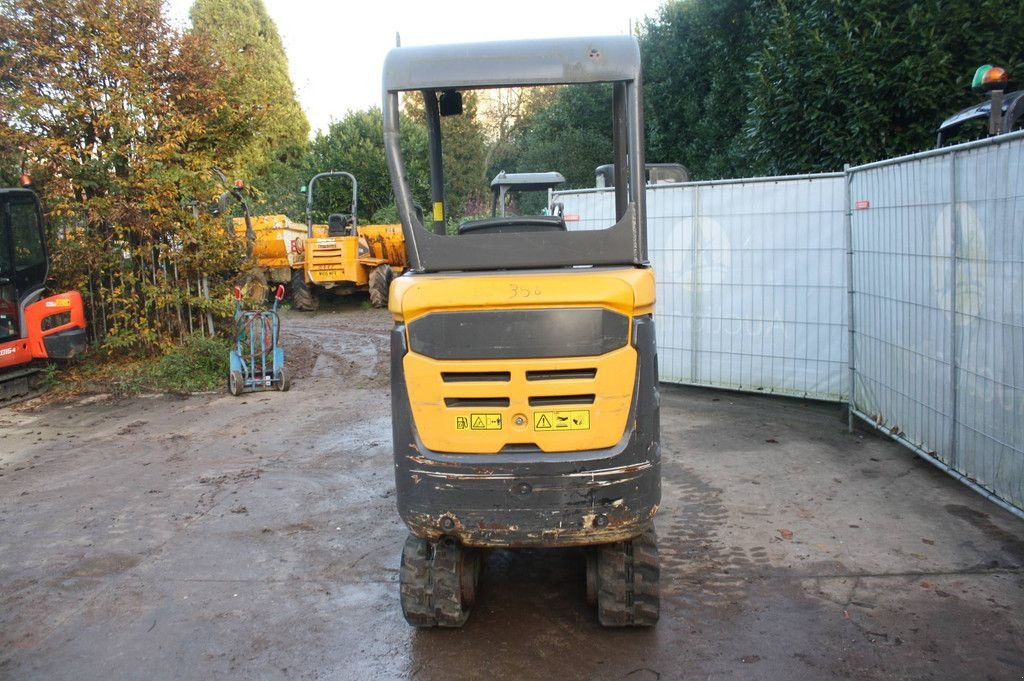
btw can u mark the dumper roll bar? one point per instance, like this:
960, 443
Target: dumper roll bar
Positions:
309, 198
439, 71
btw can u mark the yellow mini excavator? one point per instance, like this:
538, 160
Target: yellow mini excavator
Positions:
524, 374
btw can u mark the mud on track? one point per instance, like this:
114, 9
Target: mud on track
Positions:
214, 537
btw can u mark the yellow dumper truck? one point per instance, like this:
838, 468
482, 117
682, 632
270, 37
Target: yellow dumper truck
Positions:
341, 257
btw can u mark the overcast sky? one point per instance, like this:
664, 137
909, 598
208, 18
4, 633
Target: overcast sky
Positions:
336, 49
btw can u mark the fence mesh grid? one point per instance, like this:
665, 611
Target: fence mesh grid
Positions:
760, 280
938, 291
751, 281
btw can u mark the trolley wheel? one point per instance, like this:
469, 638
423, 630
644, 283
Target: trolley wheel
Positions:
302, 297
284, 380
627, 582
236, 383
379, 284
438, 582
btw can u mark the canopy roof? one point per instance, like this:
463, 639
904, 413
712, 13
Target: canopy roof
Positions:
512, 63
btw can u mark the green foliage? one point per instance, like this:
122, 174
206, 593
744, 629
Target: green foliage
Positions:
695, 77
737, 88
852, 81
50, 374
119, 119
200, 363
463, 152
569, 132
356, 144
257, 85
386, 215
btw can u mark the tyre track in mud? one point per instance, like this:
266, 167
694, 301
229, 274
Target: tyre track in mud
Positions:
326, 346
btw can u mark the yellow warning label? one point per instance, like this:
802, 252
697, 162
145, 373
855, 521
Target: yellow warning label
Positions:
562, 420
478, 422
438, 211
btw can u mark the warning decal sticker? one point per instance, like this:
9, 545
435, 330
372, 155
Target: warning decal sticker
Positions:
578, 419
478, 422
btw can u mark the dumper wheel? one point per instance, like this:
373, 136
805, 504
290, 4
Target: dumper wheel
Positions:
379, 284
437, 581
302, 297
627, 582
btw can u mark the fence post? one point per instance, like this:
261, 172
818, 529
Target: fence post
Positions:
954, 379
695, 321
848, 196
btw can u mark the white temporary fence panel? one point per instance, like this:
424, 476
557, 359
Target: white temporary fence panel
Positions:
938, 307
751, 279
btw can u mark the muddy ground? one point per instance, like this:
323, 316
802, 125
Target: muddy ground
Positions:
213, 537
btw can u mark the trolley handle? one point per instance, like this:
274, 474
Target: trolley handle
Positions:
278, 296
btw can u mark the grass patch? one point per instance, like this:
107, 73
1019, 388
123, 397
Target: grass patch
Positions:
198, 364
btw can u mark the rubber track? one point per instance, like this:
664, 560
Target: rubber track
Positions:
628, 574
417, 586
447, 596
429, 581
21, 385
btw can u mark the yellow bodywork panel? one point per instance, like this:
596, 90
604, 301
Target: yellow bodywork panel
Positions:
349, 259
326, 260
553, 428
384, 243
628, 290
588, 409
279, 241
333, 259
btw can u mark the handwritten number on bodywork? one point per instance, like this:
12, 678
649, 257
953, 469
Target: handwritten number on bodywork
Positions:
518, 291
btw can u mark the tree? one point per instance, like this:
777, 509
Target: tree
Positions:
500, 112
695, 75
746, 87
570, 134
356, 144
851, 81
119, 118
464, 153
257, 84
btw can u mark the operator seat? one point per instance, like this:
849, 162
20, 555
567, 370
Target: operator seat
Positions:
339, 224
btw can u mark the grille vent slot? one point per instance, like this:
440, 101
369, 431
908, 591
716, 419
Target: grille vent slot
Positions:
476, 376
554, 400
476, 401
560, 374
